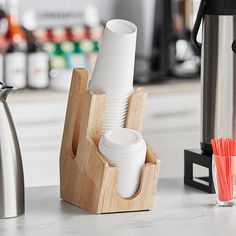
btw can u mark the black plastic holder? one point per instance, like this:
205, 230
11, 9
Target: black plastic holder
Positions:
196, 157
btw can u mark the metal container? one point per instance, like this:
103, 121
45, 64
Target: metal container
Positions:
218, 73
11, 170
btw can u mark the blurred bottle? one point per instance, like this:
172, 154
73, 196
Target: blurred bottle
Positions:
58, 59
15, 60
41, 35
3, 31
38, 66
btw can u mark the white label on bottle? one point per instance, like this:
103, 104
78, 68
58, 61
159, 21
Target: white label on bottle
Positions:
1, 67
38, 70
15, 69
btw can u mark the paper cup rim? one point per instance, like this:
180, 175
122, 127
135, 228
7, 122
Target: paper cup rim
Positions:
127, 28
114, 105
113, 121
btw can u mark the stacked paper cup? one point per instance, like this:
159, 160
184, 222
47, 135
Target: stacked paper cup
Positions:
125, 149
114, 70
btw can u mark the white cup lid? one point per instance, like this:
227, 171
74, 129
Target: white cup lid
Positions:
123, 140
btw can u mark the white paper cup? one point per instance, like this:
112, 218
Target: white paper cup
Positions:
114, 121
125, 149
115, 113
109, 123
113, 125
114, 69
117, 108
116, 102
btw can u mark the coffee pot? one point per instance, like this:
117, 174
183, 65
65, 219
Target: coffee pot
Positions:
11, 170
218, 73
218, 86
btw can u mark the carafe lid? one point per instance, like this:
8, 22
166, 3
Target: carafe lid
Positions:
5, 90
220, 7
2, 85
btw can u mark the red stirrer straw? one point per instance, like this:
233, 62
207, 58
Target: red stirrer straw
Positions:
225, 164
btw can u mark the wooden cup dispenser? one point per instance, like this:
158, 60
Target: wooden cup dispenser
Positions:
87, 180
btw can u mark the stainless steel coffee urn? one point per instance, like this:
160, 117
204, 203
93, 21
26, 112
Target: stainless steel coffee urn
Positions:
218, 79
218, 73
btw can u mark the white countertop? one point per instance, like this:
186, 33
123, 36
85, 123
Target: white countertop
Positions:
178, 210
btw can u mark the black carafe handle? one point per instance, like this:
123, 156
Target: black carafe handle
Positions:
200, 15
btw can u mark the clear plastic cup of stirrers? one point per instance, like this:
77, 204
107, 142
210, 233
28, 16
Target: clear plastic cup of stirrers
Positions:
224, 171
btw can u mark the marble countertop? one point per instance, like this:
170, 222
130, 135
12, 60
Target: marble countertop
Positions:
178, 210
